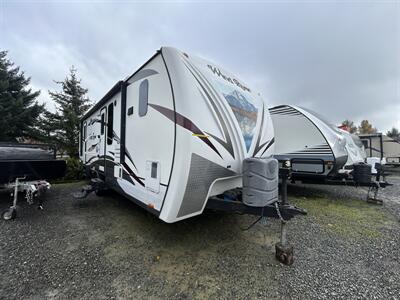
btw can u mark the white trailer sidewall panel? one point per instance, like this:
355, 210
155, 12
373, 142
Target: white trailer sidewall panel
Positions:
149, 139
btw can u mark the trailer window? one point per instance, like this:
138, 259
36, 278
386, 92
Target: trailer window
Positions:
365, 143
143, 97
102, 124
83, 138
110, 122
153, 170
84, 131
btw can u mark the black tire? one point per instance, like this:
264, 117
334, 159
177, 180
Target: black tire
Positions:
9, 214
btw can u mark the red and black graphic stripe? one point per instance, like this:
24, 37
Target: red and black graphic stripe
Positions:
129, 157
268, 145
228, 143
133, 174
185, 123
258, 147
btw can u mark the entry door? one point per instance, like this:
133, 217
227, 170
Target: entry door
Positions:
91, 131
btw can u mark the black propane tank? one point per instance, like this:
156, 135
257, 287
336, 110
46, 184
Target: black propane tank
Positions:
362, 173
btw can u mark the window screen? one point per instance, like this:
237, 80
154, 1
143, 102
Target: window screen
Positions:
102, 124
110, 122
143, 97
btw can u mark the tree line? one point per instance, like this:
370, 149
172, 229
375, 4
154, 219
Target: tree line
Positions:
23, 119
366, 127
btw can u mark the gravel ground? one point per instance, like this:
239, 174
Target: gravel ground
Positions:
107, 247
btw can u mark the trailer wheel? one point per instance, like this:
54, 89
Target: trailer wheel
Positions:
9, 214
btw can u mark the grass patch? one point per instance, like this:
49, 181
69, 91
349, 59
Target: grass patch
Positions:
351, 218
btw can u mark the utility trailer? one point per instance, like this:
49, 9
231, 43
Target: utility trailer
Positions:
25, 168
175, 136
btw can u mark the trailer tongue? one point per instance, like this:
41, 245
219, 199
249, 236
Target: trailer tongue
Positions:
232, 201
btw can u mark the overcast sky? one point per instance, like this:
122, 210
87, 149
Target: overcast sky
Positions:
341, 59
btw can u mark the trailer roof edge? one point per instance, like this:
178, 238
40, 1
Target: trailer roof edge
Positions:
110, 93
370, 134
116, 88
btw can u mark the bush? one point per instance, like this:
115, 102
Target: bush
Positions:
75, 169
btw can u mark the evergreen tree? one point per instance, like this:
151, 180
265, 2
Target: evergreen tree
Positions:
46, 129
350, 125
71, 104
394, 133
19, 109
366, 127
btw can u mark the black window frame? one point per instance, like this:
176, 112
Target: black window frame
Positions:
110, 124
102, 118
84, 130
84, 136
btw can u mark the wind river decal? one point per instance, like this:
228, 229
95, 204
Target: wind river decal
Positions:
244, 111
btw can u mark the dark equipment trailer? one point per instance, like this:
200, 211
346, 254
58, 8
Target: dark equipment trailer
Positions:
25, 168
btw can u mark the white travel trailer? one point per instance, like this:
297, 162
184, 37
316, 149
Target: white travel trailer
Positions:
382, 147
321, 153
315, 148
175, 133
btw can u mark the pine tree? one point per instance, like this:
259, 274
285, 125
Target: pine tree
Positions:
394, 133
71, 104
350, 125
366, 127
19, 109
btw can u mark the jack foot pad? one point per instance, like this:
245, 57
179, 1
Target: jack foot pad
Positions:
9, 214
375, 201
284, 253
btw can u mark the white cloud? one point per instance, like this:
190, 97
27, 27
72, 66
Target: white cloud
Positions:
340, 59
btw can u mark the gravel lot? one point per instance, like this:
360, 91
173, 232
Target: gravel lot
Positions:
107, 247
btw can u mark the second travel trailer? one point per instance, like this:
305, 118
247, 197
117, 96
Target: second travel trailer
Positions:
178, 133
381, 147
319, 152
315, 148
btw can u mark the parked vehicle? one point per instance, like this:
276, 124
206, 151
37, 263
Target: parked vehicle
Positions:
26, 168
175, 134
315, 148
321, 153
382, 147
